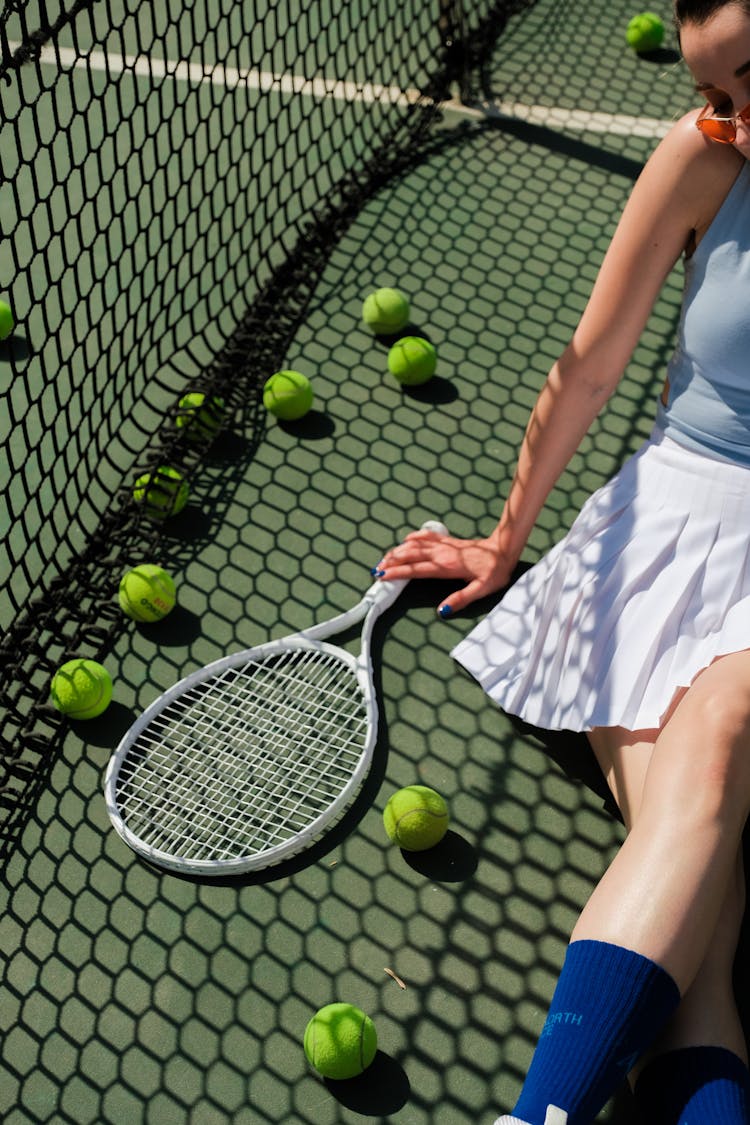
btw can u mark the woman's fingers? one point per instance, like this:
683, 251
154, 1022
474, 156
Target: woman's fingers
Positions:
463, 597
390, 570
427, 554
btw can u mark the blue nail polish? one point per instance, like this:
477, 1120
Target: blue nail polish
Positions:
376, 573
445, 611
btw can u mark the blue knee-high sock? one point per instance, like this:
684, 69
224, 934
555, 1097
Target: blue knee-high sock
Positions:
608, 1005
693, 1086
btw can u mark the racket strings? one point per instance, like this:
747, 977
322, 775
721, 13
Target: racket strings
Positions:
247, 760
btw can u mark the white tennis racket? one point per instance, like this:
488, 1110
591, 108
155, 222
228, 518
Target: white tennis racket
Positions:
245, 762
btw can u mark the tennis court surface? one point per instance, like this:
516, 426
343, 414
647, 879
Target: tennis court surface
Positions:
194, 196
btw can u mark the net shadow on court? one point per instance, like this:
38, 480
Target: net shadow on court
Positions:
133, 995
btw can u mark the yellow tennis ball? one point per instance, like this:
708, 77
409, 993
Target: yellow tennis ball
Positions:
340, 1041
645, 32
416, 818
163, 492
81, 689
385, 311
146, 593
412, 361
200, 415
7, 323
288, 395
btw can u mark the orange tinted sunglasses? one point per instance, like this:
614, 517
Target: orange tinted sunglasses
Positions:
722, 129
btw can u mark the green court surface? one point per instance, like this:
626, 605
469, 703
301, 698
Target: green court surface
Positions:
130, 995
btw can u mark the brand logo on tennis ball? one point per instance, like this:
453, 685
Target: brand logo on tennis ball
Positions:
146, 593
155, 605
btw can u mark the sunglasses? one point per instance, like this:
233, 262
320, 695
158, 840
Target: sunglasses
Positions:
722, 129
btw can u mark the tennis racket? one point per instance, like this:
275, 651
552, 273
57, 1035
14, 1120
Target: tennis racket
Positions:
245, 762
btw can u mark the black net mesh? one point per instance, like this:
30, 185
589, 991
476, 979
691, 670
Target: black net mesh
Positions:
173, 176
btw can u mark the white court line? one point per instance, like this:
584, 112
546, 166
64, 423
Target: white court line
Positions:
371, 93
581, 120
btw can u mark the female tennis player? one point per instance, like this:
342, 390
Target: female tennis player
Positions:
636, 627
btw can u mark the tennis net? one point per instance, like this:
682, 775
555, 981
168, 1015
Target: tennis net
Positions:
173, 176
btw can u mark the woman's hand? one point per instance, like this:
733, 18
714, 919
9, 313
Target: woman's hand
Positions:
428, 554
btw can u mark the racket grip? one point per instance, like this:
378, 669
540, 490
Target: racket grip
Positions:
383, 594
435, 525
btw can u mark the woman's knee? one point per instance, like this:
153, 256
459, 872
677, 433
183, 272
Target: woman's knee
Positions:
716, 713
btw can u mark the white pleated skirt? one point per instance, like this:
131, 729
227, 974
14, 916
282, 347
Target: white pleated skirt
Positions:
651, 583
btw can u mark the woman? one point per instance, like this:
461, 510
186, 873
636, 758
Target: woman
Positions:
636, 627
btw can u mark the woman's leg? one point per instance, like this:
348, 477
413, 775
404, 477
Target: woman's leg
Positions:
697, 1068
707, 1013
663, 894
648, 926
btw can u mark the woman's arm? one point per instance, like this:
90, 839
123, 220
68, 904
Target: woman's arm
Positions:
672, 203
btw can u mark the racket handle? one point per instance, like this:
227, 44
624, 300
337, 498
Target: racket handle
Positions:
383, 594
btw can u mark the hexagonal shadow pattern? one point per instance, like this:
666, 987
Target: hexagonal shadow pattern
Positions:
131, 995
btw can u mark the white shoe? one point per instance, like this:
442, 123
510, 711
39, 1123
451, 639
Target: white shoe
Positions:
554, 1116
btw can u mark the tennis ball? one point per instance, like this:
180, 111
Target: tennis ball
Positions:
81, 689
385, 311
412, 361
7, 324
146, 593
200, 415
163, 492
288, 395
416, 818
645, 32
340, 1041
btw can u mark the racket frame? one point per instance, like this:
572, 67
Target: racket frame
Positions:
379, 597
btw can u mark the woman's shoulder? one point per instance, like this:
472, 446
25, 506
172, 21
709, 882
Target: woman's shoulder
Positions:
695, 172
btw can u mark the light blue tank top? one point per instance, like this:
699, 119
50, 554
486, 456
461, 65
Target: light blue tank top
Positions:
709, 374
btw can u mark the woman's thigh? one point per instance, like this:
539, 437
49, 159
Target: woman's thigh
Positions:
624, 757
722, 691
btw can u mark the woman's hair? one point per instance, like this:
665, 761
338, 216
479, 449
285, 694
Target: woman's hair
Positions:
699, 11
